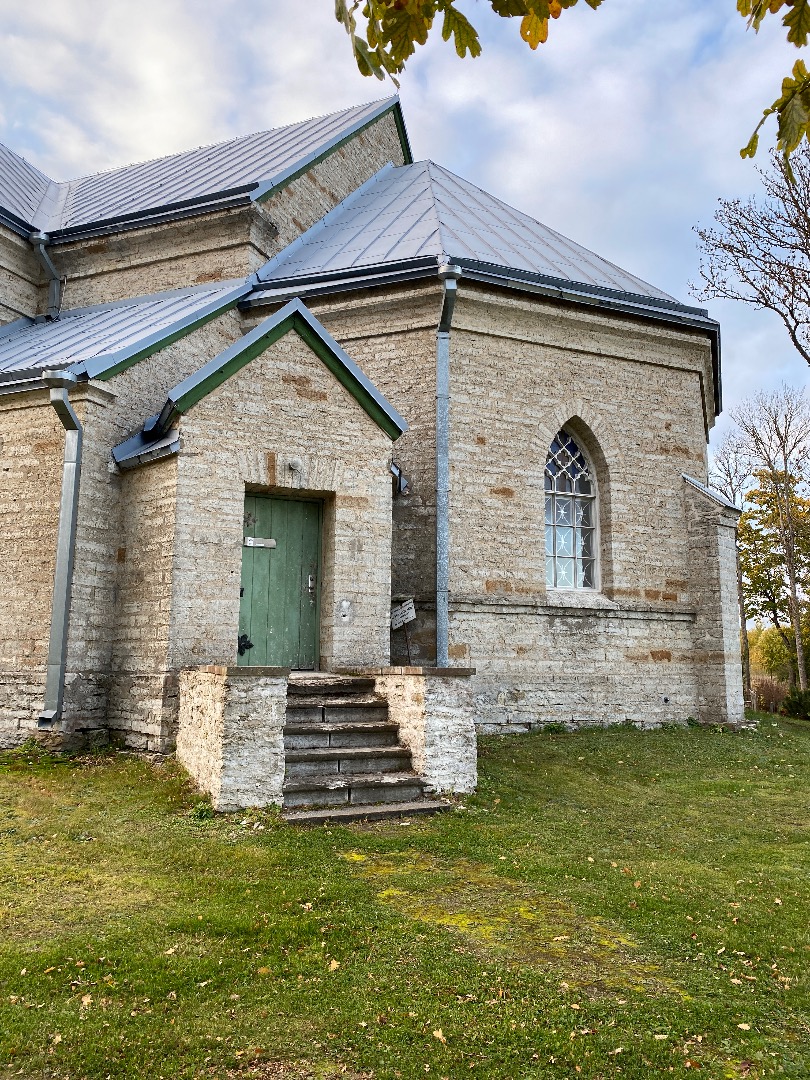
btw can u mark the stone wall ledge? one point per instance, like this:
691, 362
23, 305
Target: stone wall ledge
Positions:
443, 672
675, 612
231, 672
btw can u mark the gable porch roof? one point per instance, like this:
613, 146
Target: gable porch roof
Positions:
158, 438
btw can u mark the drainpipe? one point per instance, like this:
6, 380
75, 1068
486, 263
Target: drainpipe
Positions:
40, 241
59, 382
448, 275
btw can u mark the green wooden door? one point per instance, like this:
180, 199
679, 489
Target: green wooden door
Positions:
279, 615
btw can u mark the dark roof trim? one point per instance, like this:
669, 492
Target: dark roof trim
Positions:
647, 307
294, 316
269, 187
106, 365
222, 200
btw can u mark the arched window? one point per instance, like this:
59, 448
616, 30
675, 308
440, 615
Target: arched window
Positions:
570, 516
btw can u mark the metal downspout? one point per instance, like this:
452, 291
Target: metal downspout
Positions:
39, 241
59, 381
449, 276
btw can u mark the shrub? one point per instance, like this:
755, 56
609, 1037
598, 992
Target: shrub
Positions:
796, 703
768, 695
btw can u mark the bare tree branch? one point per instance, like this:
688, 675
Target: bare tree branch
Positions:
759, 251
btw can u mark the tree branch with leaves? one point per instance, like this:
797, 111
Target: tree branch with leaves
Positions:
385, 33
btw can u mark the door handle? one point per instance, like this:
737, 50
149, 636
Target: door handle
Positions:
311, 583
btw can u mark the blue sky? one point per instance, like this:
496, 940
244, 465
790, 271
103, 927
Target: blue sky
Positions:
621, 132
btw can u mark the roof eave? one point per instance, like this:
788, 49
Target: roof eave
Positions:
656, 309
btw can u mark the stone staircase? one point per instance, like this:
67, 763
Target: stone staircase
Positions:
344, 761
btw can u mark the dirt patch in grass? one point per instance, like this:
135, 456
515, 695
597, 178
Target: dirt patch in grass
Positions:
513, 920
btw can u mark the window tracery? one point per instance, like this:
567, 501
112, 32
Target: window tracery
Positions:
570, 516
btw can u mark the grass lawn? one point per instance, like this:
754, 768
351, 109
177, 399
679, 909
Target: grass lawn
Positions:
609, 904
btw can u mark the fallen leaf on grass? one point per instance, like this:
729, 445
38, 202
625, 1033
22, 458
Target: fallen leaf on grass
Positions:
264, 971
87, 1000
334, 965
744, 1027
438, 1035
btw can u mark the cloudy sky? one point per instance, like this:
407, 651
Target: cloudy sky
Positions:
621, 132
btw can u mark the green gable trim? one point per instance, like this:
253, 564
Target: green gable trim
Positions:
294, 316
271, 187
108, 365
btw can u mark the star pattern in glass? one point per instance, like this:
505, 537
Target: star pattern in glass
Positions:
570, 517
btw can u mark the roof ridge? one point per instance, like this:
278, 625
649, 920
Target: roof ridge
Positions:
224, 142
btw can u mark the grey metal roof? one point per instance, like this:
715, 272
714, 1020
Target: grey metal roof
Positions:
94, 341
235, 171
22, 187
421, 211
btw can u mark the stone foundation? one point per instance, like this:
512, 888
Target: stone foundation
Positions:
231, 733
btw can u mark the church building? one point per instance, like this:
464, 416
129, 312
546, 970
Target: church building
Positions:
258, 397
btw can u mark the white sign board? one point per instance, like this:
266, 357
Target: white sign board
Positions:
405, 613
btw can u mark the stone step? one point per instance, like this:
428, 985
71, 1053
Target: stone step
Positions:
378, 812
353, 789
318, 735
324, 762
309, 684
361, 708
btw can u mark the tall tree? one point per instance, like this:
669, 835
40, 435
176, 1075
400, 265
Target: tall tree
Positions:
775, 431
390, 30
760, 251
730, 474
762, 564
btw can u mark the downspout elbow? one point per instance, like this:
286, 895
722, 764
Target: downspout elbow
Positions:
59, 382
39, 241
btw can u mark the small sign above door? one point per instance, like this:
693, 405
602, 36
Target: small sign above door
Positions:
402, 614
259, 541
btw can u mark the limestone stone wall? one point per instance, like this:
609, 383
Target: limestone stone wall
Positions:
142, 703
436, 720
30, 487
713, 577
221, 245
112, 411
283, 407
639, 398
231, 734
193, 251
392, 335
31, 451
19, 278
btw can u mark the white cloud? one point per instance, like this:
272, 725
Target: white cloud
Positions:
621, 131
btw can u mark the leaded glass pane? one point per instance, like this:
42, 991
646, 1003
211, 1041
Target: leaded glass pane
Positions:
564, 511
570, 516
584, 544
565, 573
583, 513
564, 544
585, 575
